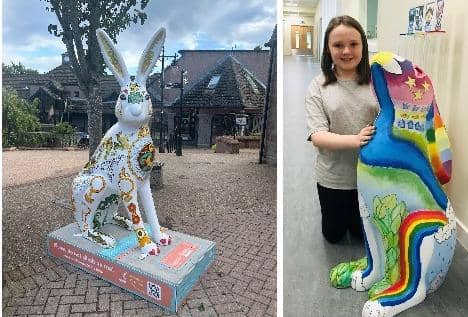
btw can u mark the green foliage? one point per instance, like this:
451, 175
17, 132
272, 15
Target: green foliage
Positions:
257, 48
63, 133
18, 69
63, 128
19, 119
77, 29
388, 215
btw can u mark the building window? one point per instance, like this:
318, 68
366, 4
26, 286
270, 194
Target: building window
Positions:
213, 82
77, 94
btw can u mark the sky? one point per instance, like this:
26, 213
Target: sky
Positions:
198, 24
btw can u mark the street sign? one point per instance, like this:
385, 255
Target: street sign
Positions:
241, 120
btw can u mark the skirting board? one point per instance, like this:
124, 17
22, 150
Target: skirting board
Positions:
462, 234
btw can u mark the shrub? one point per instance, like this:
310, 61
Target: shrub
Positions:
19, 118
63, 133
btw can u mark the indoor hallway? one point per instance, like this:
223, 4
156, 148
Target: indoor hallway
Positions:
307, 256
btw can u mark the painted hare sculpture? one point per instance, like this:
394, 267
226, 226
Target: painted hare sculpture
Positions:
119, 169
408, 221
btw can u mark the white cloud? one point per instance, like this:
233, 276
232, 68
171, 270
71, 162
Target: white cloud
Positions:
189, 41
40, 63
201, 24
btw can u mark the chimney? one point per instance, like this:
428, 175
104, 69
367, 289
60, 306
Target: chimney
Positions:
65, 59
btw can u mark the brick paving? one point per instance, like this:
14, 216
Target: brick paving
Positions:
228, 199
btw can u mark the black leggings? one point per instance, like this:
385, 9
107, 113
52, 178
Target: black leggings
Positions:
340, 212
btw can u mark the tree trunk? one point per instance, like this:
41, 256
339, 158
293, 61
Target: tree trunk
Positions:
94, 119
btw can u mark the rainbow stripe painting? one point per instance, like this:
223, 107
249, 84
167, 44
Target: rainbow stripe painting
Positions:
408, 220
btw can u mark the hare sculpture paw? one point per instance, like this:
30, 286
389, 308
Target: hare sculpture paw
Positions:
164, 239
372, 308
357, 282
149, 249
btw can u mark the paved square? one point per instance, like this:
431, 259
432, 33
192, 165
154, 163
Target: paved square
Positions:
229, 199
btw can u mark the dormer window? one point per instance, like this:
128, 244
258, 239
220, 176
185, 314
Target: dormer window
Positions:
213, 82
65, 59
77, 94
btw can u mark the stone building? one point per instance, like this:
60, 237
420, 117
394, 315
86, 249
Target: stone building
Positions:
60, 97
222, 86
268, 144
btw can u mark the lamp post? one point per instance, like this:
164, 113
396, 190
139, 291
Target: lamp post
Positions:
161, 118
179, 124
178, 128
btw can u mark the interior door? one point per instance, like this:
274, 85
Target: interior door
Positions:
301, 39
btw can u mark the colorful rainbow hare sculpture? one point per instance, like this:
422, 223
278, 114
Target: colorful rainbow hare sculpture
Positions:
409, 223
120, 167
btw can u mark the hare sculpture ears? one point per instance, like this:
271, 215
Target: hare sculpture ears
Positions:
116, 63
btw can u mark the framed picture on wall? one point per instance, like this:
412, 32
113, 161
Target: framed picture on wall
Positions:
429, 16
418, 18
439, 14
411, 20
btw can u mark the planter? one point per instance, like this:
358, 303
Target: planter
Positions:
249, 142
226, 144
156, 179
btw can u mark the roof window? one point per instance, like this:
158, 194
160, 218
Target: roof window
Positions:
213, 82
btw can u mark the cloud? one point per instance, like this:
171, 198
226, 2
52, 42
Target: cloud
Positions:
201, 24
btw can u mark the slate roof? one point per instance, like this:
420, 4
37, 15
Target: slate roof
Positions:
48, 92
63, 74
22, 83
199, 62
237, 88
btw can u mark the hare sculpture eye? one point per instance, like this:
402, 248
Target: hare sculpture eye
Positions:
147, 96
123, 97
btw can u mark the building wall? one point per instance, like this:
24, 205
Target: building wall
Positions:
270, 128
444, 56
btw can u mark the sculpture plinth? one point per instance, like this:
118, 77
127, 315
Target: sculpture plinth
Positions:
164, 280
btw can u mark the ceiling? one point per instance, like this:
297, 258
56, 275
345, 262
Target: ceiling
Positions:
305, 7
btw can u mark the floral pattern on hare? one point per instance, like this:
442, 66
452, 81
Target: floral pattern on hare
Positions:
119, 170
408, 220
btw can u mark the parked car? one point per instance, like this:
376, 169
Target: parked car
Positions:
82, 139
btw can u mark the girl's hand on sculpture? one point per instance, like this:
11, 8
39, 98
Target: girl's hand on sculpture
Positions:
365, 135
332, 141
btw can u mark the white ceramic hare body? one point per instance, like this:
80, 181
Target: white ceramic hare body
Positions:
119, 169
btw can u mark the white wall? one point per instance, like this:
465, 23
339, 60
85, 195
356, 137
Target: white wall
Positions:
444, 56
318, 38
328, 9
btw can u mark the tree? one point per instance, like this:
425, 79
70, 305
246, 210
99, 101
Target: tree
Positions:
79, 21
19, 118
18, 69
257, 48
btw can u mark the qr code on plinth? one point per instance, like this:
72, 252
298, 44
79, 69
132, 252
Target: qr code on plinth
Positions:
154, 290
